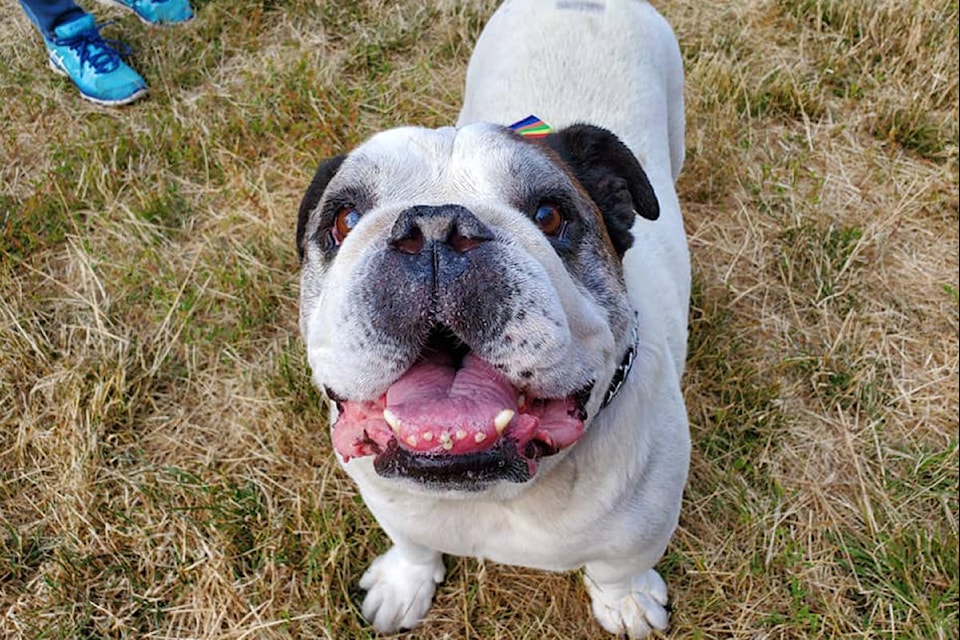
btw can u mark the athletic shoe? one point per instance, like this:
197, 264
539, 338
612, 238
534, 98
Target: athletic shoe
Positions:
93, 64
158, 12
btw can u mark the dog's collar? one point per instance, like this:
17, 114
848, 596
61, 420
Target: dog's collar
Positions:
623, 370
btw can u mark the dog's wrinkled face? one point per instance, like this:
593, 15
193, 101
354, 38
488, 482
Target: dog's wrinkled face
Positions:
462, 299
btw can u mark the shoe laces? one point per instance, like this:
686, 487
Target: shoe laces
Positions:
102, 54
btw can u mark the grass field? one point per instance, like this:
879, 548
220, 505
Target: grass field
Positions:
165, 468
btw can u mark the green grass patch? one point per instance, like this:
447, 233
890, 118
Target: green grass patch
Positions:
819, 263
908, 578
738, 416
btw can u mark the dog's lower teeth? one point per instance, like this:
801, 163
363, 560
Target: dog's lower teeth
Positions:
480, 437
445, 441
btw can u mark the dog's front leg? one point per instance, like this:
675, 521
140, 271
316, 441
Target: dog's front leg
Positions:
400, 585
629, 602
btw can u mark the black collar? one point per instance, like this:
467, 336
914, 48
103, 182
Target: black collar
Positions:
623, 370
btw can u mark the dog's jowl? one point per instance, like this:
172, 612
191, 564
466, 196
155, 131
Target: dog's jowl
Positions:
499, 321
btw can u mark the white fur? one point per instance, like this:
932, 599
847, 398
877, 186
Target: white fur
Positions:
612, 503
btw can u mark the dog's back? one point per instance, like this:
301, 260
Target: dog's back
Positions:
571, 61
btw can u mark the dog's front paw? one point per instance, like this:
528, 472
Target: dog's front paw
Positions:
399, 592
635, 607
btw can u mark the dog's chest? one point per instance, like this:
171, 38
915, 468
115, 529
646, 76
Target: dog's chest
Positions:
500, 535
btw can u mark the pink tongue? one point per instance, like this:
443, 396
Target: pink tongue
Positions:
445, 409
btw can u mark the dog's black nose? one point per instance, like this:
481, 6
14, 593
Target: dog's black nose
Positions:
438, 229
438, 245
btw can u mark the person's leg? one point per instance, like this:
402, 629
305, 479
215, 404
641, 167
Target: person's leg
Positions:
47, 15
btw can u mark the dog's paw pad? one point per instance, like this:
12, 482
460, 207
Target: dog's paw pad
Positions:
399, 592
634, 610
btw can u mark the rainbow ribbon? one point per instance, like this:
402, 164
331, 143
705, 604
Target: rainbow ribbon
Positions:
531, 127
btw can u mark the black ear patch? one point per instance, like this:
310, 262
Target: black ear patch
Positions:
325, 172
612, 176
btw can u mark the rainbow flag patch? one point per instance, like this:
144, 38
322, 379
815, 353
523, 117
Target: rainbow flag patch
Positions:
532, 127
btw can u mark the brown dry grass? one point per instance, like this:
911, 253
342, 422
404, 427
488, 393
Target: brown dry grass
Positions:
164, 466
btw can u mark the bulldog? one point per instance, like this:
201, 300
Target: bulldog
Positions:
499, 321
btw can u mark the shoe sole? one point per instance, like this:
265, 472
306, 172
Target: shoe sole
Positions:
117, 3
86, 96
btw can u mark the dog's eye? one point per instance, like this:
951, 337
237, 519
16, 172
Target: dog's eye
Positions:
548, 218
346, 219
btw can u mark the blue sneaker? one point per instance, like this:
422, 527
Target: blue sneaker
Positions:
78, 52
162, 12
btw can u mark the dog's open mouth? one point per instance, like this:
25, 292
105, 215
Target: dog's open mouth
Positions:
454, 419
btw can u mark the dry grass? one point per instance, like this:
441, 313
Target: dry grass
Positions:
164, 465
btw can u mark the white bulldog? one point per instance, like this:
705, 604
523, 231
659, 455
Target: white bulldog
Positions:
499, 321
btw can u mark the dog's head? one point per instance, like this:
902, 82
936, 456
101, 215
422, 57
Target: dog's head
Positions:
462, 296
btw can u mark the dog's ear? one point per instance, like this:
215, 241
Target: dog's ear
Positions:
612, 176
325, 172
